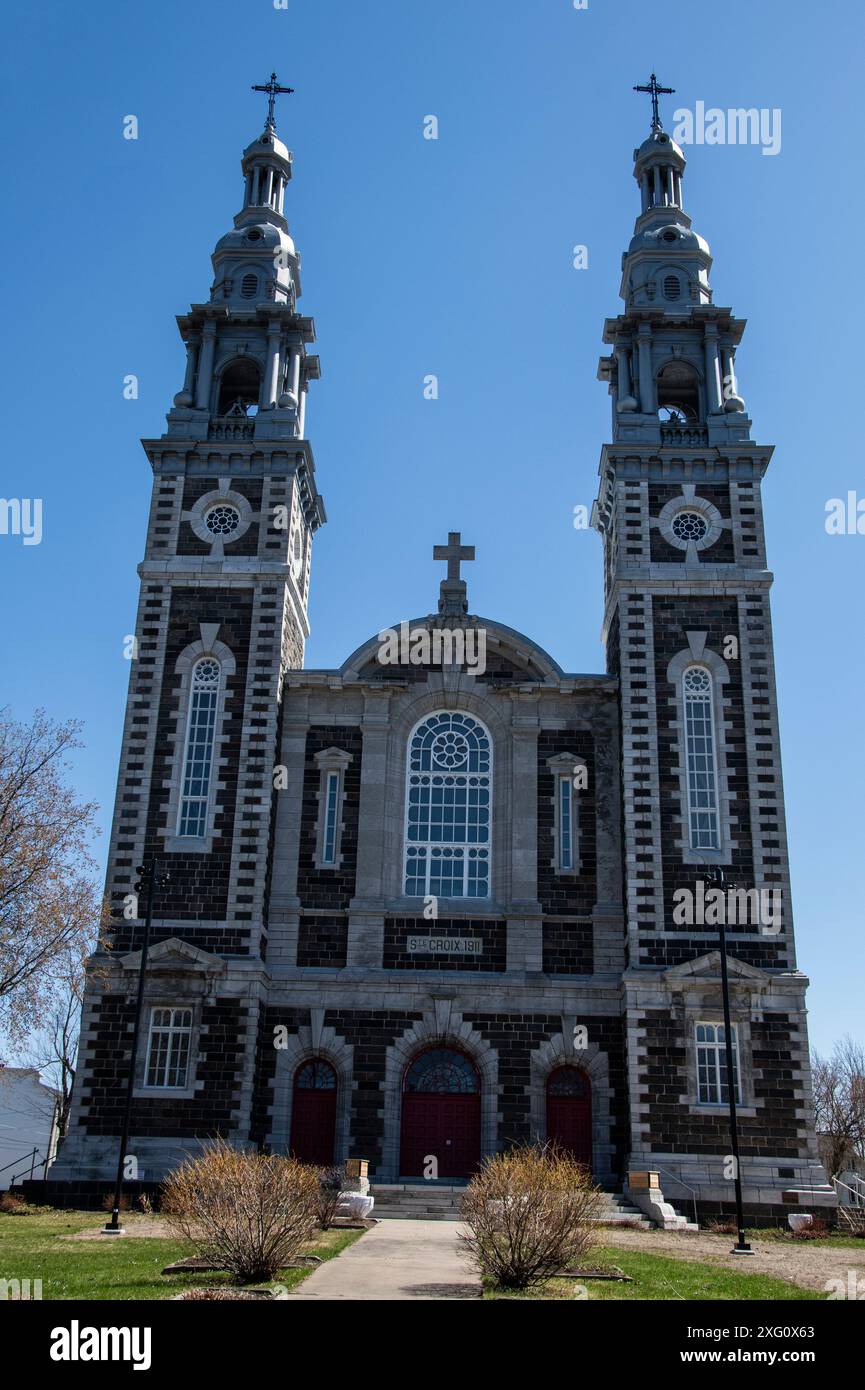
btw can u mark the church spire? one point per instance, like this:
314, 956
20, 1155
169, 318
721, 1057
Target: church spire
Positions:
658, 163
672, 372
247, 365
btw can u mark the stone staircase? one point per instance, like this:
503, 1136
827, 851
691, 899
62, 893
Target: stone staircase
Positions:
416, 1201
438, 1202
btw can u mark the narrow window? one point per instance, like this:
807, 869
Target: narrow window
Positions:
249, 286
331, 807
168, 1048
569, 773
700, 756
566, 819
712, 1064
198, 756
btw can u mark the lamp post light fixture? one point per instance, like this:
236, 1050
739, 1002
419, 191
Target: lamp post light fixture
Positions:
150, 878
741, 1247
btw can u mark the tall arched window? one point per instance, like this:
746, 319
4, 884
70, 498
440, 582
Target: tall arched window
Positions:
198, 754
448, 791
702, 777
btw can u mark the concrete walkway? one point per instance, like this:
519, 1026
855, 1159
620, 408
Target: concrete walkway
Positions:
397, 1260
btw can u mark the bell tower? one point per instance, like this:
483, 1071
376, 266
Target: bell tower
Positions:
222, 619
688, 634
224, 580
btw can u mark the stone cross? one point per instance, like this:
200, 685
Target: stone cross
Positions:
452, 600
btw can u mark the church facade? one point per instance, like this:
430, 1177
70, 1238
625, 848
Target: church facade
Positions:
449, 897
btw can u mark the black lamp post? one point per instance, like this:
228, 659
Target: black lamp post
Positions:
150, 878
741, 1247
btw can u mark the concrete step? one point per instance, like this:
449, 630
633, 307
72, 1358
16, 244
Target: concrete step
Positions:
423, 1202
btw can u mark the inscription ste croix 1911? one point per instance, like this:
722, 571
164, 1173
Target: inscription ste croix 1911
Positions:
445, 945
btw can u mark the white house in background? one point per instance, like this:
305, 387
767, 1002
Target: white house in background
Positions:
28, 1121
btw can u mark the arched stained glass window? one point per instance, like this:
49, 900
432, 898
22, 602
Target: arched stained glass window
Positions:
198, 756
697, 694
567, 1081
441, 1069
315, 1075
448, 792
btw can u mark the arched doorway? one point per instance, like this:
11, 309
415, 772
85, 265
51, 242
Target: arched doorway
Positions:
569, 1112
313, 1112
441, 1115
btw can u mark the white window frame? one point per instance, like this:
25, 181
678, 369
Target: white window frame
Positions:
465, 846
332, 764
715, 1048
707, 701
204, 801
564, 767
207, 646
174, 1031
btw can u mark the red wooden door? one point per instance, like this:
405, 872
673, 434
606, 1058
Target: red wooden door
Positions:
441, 1116
313, 1113
569, 1112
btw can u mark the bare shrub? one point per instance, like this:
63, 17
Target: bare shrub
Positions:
722, 1226
108, 1202
331, 1182
817, 1229
529, 1213
248, 1212
12, 1205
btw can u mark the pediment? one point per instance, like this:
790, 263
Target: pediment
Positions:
708, 967
175, 954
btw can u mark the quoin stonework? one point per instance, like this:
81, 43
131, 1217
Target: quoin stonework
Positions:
423, 908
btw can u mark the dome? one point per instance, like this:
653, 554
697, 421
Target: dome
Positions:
256, 236
266, 146
673, 237
507, 651
659, 145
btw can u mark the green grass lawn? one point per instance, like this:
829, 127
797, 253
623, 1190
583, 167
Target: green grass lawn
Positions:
116, 1267
662, 1277
777, 1234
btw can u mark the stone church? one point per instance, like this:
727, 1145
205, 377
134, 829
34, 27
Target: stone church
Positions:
448, 896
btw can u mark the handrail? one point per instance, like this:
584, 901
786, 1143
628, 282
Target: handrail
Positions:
656, 1167
857, 1192
31, 1153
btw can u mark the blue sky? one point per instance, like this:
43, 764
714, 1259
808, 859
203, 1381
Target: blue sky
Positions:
451, 257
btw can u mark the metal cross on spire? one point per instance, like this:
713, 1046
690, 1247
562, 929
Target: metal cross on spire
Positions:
273, 89
655, 91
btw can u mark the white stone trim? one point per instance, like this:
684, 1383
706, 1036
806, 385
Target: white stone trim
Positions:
559, 1051
698, 654
330, 760
690, 501
441, 1025
312, 1040
207, 645
563, 766
222, 494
